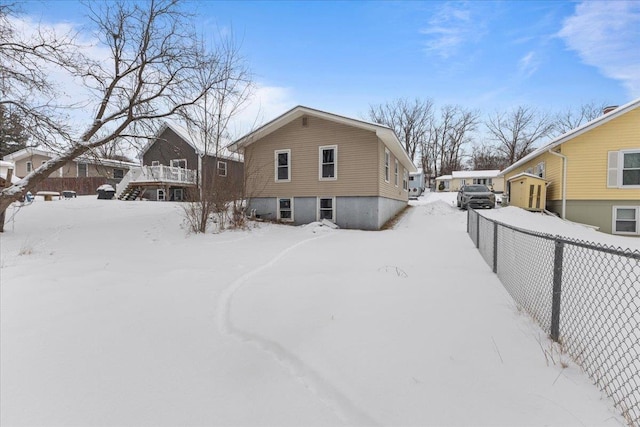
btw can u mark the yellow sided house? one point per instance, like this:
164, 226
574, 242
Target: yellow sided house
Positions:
308, 165
593, 172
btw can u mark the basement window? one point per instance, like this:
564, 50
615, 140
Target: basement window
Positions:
625, 220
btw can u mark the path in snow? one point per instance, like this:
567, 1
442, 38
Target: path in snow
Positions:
297, 368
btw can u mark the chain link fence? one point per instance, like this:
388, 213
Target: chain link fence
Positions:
586, 295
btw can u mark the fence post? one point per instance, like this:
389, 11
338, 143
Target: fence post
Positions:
495, 247
477, 229
557, 290
468, 219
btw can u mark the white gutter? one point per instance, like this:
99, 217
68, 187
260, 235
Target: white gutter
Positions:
564, 181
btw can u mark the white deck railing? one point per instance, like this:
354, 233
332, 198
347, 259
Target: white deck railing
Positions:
164, 174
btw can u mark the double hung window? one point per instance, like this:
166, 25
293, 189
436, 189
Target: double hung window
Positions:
328, 162
283, 165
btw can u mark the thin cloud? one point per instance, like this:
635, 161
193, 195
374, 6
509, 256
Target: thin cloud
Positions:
451, 27
606, 35
528, 64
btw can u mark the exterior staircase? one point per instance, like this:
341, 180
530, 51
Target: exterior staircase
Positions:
131, 192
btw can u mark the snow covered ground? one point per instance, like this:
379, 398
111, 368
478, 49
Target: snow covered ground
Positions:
112, 315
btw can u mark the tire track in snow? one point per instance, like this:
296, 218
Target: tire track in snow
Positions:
297, 368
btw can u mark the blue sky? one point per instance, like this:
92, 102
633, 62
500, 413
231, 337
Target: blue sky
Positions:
344, 56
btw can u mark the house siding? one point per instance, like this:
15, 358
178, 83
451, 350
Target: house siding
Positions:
351, 212
168, 146
587, 166
597, 213
357, 172
69, 170
389, 189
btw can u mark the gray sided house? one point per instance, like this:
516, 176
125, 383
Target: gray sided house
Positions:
308, 165
177, 166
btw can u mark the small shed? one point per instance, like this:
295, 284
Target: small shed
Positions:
527, 191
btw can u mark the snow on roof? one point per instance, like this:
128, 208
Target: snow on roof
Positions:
443, 177
599, 121
476, 174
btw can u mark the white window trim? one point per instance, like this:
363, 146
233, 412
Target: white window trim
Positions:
396, 172
178, 161
29, 166
275, 157
333, 208
164, 195
177, 191
223, 168
278, 209
621, 154
540, 170
155, 163
387, 165
335, 163
613, 221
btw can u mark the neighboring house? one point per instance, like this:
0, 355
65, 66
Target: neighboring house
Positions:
83, 174
593, 172
308, 165
487, 177
175, 167
457, 179
443, 183
416, 184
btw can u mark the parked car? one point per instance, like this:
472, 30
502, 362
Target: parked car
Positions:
476, 196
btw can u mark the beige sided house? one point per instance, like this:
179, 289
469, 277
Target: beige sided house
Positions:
490, 178
29, 159
593, 172
308, 165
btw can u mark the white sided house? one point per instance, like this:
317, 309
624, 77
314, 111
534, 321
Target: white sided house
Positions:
308, 165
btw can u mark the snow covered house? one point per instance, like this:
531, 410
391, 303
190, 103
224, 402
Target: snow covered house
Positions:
175, 164
83, 175
593, 172
308, 165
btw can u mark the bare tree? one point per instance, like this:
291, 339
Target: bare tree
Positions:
208, 122
449, 134
410, 120
572, 118
149, 75
517, 131
486, 157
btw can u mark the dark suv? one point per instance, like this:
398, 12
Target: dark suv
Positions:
476, 196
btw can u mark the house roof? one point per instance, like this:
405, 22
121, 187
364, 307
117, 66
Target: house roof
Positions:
575, 133
29, 152
443, 177
386, 134
194, 142
475, 174
529, 175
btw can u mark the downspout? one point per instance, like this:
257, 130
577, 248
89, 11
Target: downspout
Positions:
564, 181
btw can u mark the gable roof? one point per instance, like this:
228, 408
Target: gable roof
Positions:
599, 121
29, 152
194, 142
476, 174
386, 134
